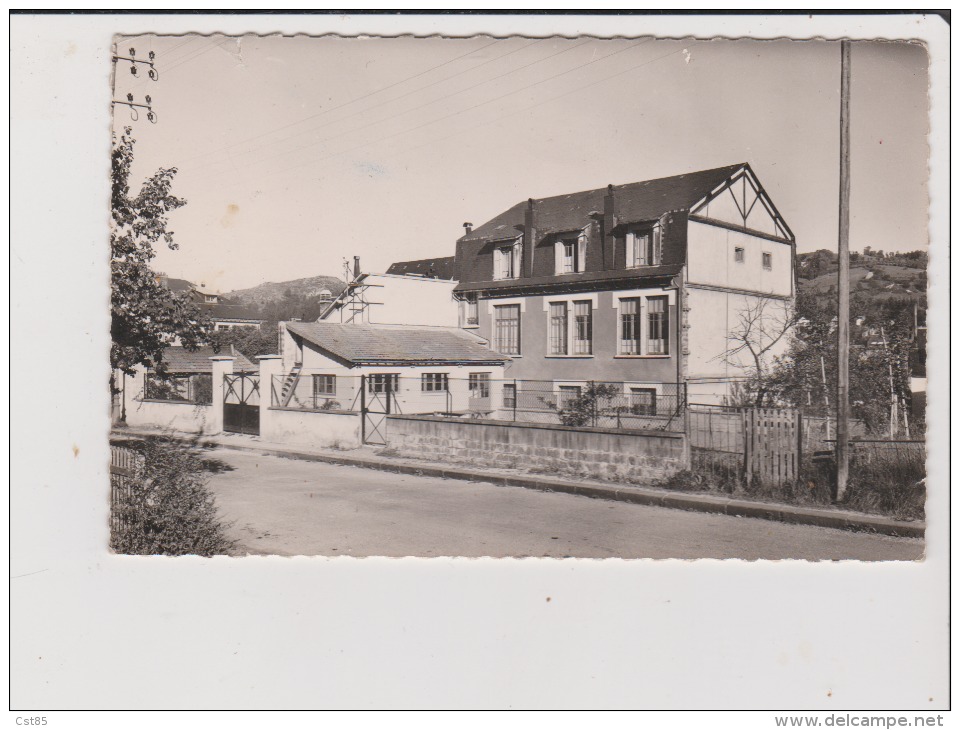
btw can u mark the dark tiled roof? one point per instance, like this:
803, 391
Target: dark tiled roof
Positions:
359, 344
180, 360
436, 268
179, 285
629, 277
233, 311
639, 201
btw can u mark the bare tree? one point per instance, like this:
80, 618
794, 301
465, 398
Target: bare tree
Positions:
761, 324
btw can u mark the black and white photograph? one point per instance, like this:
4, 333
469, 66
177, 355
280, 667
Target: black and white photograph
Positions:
479, 360
517, 297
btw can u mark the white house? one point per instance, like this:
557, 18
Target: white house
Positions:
407, 369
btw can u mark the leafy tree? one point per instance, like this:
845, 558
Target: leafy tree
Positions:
146, 316
879, 359
595, 401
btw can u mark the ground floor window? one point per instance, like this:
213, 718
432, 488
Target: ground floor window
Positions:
324, 384
479, 385
643, 401
433, 382
383, 382
566, 394
509, 395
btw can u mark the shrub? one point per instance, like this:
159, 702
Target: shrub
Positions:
586, 408
167, 509
890, 483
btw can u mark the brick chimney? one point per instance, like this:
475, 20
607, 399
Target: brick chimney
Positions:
609, 222
529, 238
467, 229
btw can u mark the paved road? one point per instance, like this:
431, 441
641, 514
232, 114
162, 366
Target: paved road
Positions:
291, 507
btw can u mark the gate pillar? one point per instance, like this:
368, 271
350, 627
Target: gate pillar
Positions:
222, 365
270, 365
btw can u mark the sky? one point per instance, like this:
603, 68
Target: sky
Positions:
294, 153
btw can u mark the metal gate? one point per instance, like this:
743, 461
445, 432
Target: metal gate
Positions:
241, 404
377, 401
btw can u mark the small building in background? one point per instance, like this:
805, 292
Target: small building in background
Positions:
410, 293
223, 315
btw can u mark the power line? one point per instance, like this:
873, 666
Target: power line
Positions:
341, 106
199, 53
532, 106
422, 106
462, 111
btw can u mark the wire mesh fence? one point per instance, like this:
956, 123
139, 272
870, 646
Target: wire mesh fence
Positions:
585, 403
721, 438
194, 388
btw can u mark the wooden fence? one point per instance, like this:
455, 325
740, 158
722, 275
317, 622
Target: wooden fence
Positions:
765, 443
123, 466
773, 442
762, 443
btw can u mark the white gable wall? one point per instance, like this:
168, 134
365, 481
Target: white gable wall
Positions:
407, 300
713, 316
711, 257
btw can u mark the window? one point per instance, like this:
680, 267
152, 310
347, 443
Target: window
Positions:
507, 329
566, 394
468, 311
738, 255
383, 382
433, 382
509, 395
657, 325
570, 255
643, 401
583, 328
643, 248
506, 261
558, 328
324, 384
479, 384
630, 326
767, 261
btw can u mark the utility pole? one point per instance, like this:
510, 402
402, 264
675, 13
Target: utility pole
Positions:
843, 281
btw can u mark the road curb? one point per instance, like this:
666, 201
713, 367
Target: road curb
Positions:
648, 496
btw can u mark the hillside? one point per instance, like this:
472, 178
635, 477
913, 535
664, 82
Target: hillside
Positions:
268, 292
876, 277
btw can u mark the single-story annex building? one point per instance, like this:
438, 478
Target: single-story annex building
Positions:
406, 369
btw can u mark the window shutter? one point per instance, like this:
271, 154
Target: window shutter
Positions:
642, 313
517, 259
581, 252
631, 239
497, 269
558, 257
657, 246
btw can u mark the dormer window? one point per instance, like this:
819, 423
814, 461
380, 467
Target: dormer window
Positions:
506, 261
643, 247
570, 254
